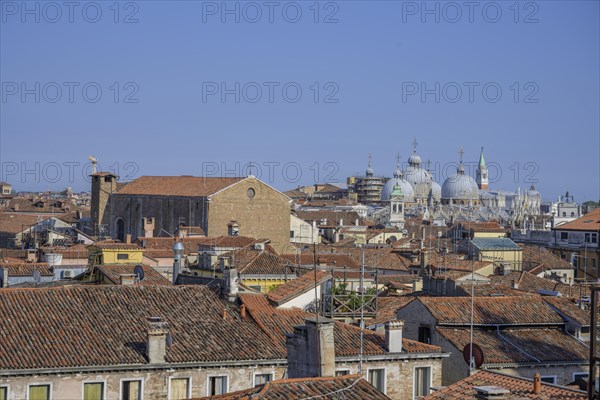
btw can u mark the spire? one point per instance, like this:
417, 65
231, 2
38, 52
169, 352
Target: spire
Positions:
398, 171
461, 167
369, 168
481, 159
414, 143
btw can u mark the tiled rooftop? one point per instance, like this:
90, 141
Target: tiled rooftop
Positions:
296, 287
520, 388
349, 387
151, 276
588, 222
510, 310
106, 325
520, 345
115, 245
278, 322
193, 186
26, 269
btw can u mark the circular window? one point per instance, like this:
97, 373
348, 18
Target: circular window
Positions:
251, 193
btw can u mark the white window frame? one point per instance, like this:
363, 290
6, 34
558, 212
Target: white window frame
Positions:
131, 380
189, 388
587, 374
258, 373
415, 375
384, 377
216, 376
555, 377
39, 384
103, 382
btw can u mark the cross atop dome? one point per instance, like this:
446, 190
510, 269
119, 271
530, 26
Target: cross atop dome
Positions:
414, 143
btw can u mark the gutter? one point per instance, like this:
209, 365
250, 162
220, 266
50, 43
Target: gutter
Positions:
139, 367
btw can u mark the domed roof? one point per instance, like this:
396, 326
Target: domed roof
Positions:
406, 188
414, 160
436, 190
460, 186
414, 174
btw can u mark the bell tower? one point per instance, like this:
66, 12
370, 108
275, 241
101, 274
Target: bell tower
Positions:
482, 173
397, 207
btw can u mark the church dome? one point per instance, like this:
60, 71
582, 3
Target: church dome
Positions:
407, 189
414, 160
460, 186
533, 192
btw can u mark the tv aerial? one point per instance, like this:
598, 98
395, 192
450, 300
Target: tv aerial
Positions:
139, 273
37, 277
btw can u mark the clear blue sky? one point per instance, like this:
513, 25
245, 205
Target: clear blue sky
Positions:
375, 61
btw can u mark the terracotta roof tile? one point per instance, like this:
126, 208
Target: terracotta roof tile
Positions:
588, 222
278, 322
151, 276
114, 245
296, 287
350, 387
510, 310
26, 269
520, 345
520, 388
177, 186
105, 325
387, 308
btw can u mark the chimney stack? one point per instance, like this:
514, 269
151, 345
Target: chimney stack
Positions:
127, 279
311, 349
4, 277
230, 288
148, 226
393, 336
537, 383
156, 340
128, 238
243, 311
424, 260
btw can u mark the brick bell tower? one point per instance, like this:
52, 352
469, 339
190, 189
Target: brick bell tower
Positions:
482, 173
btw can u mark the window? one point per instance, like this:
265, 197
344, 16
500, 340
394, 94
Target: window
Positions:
377, 379
260, 379
251, 193
591, 237
580, 375
39, 392
572, 214
549, 379
564, 236
217, 385
122, 256
93, 391
342, 372
422, 381
425, 334
3, 393
179, 388
131, 390
564, 214
291, 234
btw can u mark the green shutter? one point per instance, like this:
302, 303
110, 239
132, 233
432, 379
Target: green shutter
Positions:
93, 391
39, 392
3, 393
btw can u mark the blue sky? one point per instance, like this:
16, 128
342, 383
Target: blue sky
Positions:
191, 87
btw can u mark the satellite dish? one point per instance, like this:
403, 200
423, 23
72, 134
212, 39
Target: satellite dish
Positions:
139, 272
37, 277
477, 354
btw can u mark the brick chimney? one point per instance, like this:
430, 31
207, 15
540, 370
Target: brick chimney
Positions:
393, 336
230, 287
311, 349
537, 383
156, 340
128, 238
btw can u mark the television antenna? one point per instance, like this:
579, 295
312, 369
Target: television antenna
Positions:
37, 277
139, 273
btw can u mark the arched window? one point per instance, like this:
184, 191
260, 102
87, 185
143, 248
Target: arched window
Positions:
394, 209
120, 229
